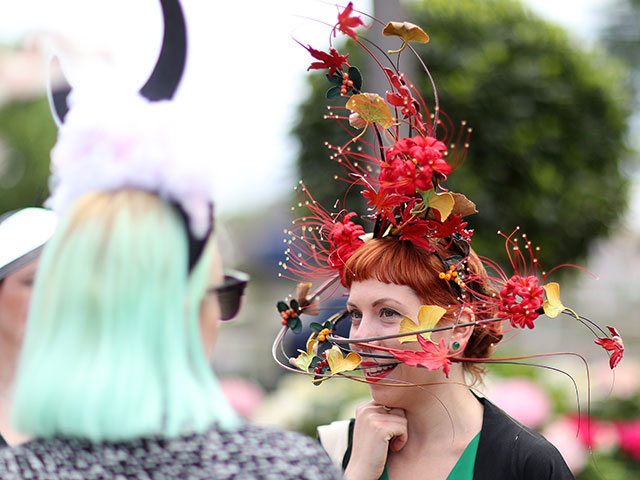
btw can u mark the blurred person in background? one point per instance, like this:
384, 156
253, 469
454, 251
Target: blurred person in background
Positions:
23, 234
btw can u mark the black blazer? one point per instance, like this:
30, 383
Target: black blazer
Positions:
507, 450
510, 451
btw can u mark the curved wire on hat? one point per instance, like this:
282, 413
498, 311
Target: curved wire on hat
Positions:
406, 198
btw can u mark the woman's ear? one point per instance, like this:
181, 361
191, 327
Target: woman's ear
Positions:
460, 335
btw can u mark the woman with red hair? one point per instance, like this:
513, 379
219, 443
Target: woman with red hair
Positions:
426, 312
436, 427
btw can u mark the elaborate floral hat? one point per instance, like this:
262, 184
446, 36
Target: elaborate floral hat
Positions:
401, 173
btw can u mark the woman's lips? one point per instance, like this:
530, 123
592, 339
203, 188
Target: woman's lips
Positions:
374, 372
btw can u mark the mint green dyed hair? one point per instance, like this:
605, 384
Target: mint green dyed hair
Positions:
113, 348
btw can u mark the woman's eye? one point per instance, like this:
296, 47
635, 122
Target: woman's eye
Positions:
388, 313
355, 315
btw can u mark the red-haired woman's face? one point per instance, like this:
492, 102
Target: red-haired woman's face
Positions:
377, 309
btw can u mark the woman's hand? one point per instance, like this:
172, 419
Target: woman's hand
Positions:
376, 431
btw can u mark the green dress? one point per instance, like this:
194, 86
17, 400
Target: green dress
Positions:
463, 469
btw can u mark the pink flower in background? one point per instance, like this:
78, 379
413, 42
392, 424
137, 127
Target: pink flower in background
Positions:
630, 437
523, 400
562, 434
597, 434
244, 396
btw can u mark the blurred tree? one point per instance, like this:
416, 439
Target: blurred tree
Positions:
621, 34
27, 134
549, 119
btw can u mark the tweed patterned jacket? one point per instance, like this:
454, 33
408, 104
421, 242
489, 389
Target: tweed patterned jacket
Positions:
248, 452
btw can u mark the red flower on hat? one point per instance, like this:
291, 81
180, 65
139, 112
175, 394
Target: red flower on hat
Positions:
344, 240
613, 345
404, 177
411, 163
347, 23
332, 60
521, 299
432, 357
427, 151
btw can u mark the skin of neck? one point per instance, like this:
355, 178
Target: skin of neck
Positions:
446, 414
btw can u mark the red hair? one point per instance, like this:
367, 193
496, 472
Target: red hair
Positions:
400, 262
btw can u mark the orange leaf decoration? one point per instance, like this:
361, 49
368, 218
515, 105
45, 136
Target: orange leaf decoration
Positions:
463, 206
371, 108
407, 31
443, 203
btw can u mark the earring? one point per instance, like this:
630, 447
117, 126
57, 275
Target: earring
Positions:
455, 345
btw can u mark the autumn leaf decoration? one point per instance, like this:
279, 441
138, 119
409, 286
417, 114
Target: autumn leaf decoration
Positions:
339, 363
303, 361
428, 316
329, 362
432, 357
347, 23
332, 60
371, 108
407, 31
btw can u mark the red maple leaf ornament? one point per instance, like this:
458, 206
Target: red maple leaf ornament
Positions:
332, 60
432, 357
347, 23
613, 345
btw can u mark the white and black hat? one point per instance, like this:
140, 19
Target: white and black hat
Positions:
23, 233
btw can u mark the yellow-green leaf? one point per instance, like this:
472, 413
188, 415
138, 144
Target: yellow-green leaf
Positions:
304, 359
409, 32
371, 108
443, 203
428, 316
553, 305
338, 363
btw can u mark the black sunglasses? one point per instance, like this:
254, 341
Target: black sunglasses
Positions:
230, 293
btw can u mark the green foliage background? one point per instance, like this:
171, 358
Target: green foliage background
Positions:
27, 134
549, 119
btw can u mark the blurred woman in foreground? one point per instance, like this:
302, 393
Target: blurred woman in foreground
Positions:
23, 233
114, 378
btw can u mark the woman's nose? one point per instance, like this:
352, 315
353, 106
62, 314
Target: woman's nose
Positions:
364, 329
